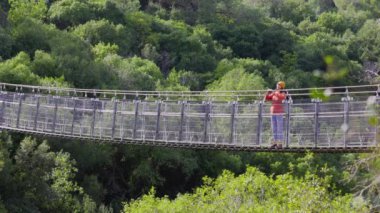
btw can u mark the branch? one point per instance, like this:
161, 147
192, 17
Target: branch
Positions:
372, 72
374, 182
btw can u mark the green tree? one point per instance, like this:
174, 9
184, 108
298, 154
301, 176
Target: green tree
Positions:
333, 21
292, 10
141, 26
106, 32
65, 188
238, 79
244, 40
21, 9
44, 65
7, 43
26, 179
276, 39
18, 70
127, 6
312, 50
31, 35
38, 180
133, 73
308, 27
323, 5
54, 82
101, 50
181, 47
111, 12
176, 81
252, 192
75, 60
67, 13
258, 67
365, 46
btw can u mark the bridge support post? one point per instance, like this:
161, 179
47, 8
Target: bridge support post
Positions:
136, 117
2, 120
122, 130
377, 110
19, 110
74, 112
206, 121
37, 111
346, 120
114, 118
259, 123
232, 127
316, 122
55, 113
287, 117
94, 107
158, 120
180, 136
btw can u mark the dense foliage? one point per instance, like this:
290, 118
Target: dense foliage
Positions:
184, 45
253, 192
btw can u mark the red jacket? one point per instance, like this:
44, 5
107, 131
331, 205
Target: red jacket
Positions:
276, 97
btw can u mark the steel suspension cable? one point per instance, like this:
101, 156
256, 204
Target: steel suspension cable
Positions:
358, 89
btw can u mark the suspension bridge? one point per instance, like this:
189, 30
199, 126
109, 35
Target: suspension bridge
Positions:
333, 119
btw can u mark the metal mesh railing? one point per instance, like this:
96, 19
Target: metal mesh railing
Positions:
345, 124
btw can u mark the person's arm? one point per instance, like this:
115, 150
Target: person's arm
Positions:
281, 96
269, 95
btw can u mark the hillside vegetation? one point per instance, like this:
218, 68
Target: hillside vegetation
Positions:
185, 45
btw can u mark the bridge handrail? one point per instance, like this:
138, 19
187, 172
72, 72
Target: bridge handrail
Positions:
373, 89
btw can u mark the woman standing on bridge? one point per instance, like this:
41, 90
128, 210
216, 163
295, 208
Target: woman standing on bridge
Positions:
277, 111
